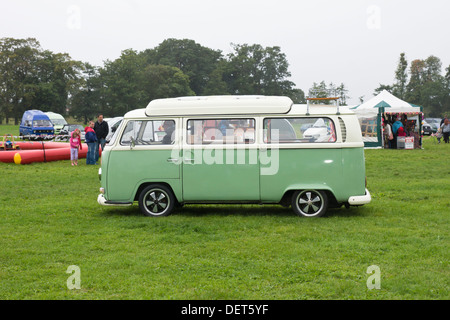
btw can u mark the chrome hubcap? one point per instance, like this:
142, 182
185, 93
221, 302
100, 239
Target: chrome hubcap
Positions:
309, 203
156, 202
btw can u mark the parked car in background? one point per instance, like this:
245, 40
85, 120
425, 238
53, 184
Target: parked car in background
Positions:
57, 120
319, 132
427, 129
434, 123
36, 125
66, 131
113, 124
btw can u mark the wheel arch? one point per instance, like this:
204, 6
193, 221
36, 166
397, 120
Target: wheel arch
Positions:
144, 185
287, 196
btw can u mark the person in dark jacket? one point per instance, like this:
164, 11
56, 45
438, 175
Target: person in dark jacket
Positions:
91, 141
101, 129
169, 128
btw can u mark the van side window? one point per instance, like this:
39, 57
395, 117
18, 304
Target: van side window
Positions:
221, 131
299, 130
149, 132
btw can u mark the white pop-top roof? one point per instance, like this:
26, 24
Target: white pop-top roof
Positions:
208, 105
231, 105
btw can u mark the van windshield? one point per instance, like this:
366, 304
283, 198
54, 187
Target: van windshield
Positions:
59, 121
42, 123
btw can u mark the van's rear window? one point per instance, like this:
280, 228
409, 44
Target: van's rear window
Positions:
299, 130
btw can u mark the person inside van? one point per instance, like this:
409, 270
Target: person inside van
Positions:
169, 128
224, 125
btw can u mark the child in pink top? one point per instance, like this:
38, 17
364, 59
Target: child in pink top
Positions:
75, 143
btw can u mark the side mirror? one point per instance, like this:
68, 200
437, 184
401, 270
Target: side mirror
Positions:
133, 143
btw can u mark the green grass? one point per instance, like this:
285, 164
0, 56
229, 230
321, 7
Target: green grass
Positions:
50, 220
9, 129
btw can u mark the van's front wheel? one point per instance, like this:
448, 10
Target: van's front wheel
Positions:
310, 203
156, 201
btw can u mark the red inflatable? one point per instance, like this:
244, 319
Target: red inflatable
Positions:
30, 152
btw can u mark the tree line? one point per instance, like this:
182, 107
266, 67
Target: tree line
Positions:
423, 84
34, 78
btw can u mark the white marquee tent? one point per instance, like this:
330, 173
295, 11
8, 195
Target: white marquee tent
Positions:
372, 112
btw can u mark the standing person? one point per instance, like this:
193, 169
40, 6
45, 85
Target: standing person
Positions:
401, 132
91, 141
446, 130
75, 144
389, 136
397, 124
439, 134
101, 129
442, 120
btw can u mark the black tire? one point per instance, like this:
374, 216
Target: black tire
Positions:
310, 203
156, 201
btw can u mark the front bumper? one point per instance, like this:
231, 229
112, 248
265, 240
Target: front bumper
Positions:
102, 201
360, 200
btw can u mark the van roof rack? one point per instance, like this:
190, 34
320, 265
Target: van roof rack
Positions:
313, 96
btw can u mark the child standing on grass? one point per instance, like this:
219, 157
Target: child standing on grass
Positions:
75, 143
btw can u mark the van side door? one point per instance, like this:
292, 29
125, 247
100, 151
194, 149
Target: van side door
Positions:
220, 160
144, 153
303, 154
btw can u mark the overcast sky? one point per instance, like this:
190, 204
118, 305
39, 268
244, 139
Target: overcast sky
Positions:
355, 42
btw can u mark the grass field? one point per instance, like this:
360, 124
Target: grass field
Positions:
50, 220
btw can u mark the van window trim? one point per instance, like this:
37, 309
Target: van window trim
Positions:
220, 117
299, 144
150, 146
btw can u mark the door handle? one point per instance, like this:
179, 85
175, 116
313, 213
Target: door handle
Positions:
172, 160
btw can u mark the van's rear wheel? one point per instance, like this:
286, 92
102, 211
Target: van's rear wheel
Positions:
156, 201
310, 203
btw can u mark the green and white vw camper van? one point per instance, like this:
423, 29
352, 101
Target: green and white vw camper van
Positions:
235, 149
